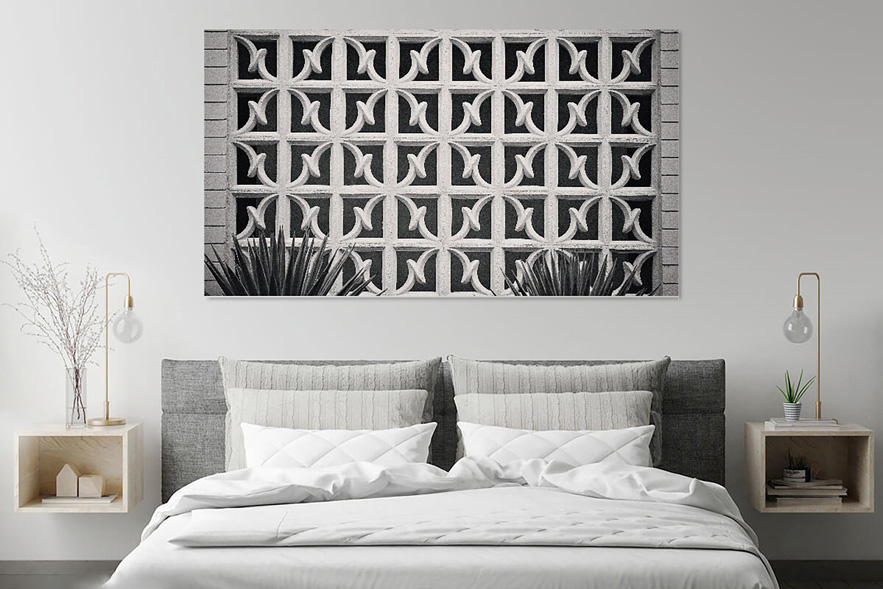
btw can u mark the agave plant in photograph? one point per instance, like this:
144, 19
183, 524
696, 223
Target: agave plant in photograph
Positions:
565, 274
792, 393
267, 267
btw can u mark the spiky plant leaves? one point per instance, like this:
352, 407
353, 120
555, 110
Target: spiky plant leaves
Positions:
567, 274
793, 462
792, 393
265, 267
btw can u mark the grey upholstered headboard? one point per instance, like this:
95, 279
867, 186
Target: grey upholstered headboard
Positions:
193, 408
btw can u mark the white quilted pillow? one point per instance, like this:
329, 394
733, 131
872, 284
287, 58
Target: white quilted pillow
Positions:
302, 448
575, 448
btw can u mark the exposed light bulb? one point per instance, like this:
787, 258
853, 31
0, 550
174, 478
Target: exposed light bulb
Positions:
127, 327
797, 327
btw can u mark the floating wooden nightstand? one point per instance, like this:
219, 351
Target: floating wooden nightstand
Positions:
114, 452
846, 453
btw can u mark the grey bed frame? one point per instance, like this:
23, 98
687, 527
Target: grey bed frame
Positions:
193, 408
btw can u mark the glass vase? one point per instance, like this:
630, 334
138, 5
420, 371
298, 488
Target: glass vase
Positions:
75, 398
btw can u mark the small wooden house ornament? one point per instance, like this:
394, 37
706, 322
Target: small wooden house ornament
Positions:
91, 485
66, 481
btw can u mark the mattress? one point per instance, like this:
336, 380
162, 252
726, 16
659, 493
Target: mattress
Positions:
157, 563
529, 524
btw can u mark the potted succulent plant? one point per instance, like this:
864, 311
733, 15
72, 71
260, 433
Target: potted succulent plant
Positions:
796, 469
792, 394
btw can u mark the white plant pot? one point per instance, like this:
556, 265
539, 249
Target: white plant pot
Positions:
795, 476
792, 411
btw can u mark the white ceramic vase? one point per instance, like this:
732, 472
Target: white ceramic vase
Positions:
795, 475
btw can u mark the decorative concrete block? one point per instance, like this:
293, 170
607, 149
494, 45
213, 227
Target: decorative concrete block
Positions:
91, 485
413, 184
66, 481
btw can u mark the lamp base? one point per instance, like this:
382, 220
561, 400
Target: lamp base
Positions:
101, 422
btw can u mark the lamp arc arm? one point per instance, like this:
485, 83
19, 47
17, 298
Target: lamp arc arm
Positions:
802, 274
799, 300
107, 420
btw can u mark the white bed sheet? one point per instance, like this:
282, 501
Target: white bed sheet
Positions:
654, 529
158, 564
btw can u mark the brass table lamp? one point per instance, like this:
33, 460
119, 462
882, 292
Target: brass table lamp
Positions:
127, 328
798, 329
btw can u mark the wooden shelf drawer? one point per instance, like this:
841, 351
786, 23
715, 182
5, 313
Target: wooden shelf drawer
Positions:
116, 453
846, 453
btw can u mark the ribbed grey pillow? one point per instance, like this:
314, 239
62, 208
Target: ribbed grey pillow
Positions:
391, 376
557, 411
482, 377
316, 410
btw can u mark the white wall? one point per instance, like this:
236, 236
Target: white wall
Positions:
101, 121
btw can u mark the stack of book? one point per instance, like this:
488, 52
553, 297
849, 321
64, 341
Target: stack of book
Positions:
815, 492
80, 500
780, 423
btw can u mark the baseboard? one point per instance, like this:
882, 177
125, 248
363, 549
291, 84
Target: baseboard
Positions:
828, 570
57, 567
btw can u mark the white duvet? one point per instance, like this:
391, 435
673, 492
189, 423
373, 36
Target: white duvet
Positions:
602, 523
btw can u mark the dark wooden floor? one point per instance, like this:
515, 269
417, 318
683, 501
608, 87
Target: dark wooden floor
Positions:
92, 574
832, 574
55, 574
831, 585
95, 580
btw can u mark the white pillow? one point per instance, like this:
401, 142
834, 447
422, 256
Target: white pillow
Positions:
575, 448
300, 448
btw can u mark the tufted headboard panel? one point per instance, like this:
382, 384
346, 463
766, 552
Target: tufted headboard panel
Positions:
193, 405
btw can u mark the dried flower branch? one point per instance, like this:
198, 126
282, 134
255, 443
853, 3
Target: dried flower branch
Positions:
65, 321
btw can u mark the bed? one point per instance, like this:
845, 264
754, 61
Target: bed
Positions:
571, 529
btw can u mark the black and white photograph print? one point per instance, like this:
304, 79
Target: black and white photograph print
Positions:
441, 163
